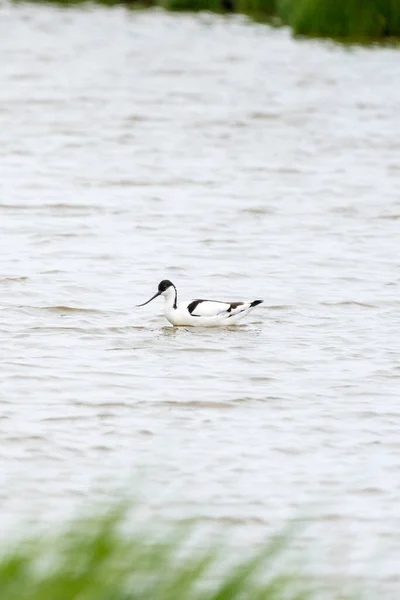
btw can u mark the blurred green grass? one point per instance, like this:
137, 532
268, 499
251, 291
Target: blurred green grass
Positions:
348, 20
101, 558
343, 20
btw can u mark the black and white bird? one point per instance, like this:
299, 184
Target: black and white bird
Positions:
209, 313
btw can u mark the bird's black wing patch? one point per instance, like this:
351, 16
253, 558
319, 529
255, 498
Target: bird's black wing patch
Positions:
193, 305
231, 306
234, 305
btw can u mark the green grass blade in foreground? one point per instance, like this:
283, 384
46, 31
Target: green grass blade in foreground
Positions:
106, 558
249, 573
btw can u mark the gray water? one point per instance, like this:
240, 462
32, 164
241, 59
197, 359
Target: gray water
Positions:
240, 164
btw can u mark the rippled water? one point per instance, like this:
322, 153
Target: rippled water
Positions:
239, 163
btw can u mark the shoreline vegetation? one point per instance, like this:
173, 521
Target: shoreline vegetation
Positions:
353, 21
106, 557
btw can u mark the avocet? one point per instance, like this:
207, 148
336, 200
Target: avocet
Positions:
209, 313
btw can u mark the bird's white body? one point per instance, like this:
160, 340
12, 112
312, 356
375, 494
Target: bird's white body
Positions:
204, 313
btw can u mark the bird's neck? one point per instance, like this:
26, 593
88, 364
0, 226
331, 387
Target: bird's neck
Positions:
171, 298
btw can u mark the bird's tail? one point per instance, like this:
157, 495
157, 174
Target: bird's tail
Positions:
256, 303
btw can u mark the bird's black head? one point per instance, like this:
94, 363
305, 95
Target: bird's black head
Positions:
164, 285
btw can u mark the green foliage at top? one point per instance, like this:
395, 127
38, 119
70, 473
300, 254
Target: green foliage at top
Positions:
260, 9
193, 5
343, 19
98, 559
